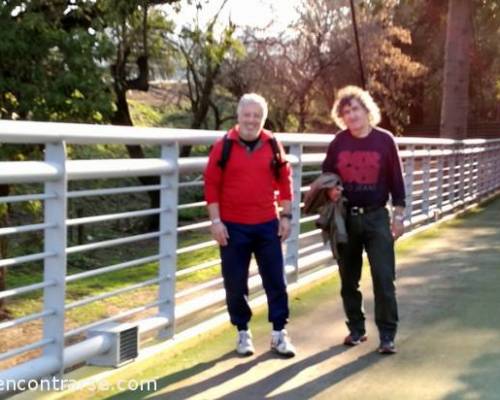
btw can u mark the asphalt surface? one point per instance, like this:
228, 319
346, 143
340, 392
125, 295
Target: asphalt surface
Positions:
449, 337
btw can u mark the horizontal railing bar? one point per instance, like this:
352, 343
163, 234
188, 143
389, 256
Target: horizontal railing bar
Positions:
75, 133
111, 217
103, 296
312, 158
26, 289
308, 219
28, 318
26, 197
112, 268
311, 173
310, 233
28, 172
311, 247
197, 246
196, 268
190, 227
190, 184
24, 349
119, 190
25, 228
192, 164
199, 287
113, 242
9, 262
121, 168
192, 205
124, 314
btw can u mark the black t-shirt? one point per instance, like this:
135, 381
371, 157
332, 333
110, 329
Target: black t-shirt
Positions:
370, 168
250, 144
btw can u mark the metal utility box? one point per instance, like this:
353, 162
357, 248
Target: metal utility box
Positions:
124, 344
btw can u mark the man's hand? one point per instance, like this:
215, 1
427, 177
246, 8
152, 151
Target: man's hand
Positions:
284, 228
397, 228
219, 233
335, 193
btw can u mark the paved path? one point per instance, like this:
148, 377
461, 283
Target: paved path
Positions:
449, 339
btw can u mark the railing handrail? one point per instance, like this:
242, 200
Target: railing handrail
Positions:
71, 133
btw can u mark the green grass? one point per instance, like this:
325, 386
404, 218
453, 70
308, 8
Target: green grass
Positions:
145, 115
30, 303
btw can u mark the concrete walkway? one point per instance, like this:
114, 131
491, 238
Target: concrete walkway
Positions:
449, 338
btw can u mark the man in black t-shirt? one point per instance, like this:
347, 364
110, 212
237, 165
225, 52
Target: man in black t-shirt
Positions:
366, 158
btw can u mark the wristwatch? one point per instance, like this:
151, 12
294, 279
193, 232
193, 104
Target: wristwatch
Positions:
216, 221
287, 216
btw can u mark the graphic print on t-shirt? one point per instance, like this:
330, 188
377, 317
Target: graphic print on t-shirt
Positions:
359, 169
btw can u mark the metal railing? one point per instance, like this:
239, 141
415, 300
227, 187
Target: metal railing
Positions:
441, 176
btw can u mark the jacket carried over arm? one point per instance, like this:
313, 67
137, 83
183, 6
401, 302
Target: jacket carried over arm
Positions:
332, 215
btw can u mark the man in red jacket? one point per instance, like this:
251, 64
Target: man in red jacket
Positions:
240, 182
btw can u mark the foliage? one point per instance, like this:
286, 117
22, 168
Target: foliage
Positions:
300, 70
203, 51
427, 21
51, 70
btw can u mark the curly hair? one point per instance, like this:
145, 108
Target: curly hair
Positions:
344, 98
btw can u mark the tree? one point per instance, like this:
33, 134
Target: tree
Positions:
299, 70
204, 51
454, 111
138, 37
50, 70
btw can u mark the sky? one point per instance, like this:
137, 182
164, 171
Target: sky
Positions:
255, 13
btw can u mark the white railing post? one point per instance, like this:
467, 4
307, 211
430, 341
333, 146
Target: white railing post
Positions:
426, 167
492, 170
168, 240
496, 167
454, 162
292, 244
409, 169
468, 173
439, 182
461, 166
55, 242
476, 178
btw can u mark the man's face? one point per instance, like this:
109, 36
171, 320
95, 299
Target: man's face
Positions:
355, 116
250, 120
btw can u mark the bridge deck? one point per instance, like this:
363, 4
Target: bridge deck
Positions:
449, 339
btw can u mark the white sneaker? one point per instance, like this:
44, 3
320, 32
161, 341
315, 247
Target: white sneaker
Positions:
281, 344
244, 346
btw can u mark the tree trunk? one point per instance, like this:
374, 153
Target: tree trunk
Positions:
122, 117
454, 108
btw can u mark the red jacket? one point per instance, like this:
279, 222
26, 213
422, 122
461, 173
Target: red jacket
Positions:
245, 189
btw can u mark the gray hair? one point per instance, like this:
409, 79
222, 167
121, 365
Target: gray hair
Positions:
344, 98
253, 98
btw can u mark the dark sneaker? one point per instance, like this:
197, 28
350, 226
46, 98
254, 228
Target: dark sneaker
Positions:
354, 338
387, 346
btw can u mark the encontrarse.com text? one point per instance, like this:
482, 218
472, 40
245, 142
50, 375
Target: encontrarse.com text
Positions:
59, 384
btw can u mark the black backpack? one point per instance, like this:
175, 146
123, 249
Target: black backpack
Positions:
276, 163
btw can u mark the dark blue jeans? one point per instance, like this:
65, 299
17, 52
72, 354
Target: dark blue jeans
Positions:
371, 232
263, 241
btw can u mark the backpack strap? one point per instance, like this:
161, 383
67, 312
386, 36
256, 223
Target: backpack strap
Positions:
277, 162
226, 151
